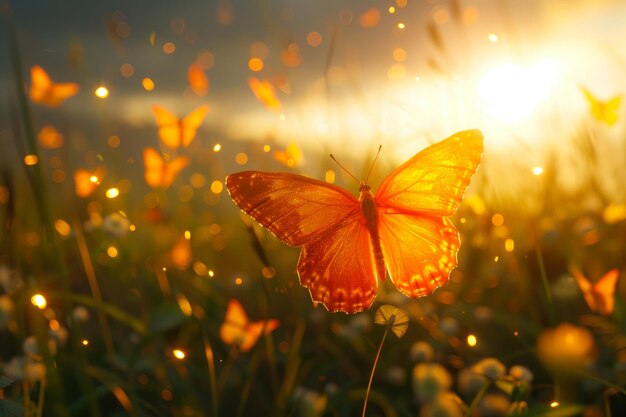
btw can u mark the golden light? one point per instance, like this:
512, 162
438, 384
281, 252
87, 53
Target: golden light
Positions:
255, 64
267, 148
85, 342
178, 354
147, 84
238, 281
39, 301
31, 160
509, 245
132, 227
112, 192
54, 325
493, 37
112, 251
537, 170
497, 219
511, 92
554, 404
113, 141
217, 186
471, 340
211, 273
399, 54
62, 227
217, 147
314, 39
101, 92
241, 158
94, 179
187, 234
169, 48
391, 10
329, 176
401, 25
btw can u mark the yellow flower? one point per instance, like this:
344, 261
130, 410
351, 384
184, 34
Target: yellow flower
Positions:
566, 346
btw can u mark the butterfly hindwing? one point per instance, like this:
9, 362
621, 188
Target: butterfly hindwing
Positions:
338, 269
191, 123
420, 251
161, 173
434, 180
44, 91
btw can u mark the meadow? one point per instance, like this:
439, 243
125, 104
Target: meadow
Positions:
131, 284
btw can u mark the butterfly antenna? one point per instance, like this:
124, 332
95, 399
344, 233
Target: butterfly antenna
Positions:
348, 172
373, 162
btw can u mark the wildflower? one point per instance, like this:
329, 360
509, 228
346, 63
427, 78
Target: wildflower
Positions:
116, 224
469, 382
566, 346
449, 326
492, 368
521, 373
429, 380
421, 352
22, 368
445, 404
494, 405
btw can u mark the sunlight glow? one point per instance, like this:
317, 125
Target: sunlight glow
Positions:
511, 92
178, 354
112, 192
471, 340
101, 92
537, 170
39, 301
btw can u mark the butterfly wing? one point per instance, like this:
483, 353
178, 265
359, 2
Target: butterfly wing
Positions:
419, 243
168, 127
611, 108
336, 259
198, 80
40, 84
171, 170
153, 166
434, 180
264, 92
604, 292
191, 123
61, 92
232, 331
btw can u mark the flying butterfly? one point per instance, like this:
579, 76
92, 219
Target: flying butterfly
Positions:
265, 93
160, 173
44, 91
198, 80
402, 230
175, 132
603, 111
238, 330
599, 296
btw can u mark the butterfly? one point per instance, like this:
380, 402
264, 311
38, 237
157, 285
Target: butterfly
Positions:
603, 111
86, 182
160, 173
265, 93
291, 156
403, 229
175, 132
198, 80
50, 138
238, 330
599, 296
44, 91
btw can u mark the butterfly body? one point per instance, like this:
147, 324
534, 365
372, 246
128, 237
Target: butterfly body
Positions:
402, 230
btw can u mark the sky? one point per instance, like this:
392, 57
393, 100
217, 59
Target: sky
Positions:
406, 74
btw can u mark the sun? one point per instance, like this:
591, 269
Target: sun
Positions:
511, 92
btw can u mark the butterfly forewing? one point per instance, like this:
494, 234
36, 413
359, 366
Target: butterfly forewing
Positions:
296, 209
434, 180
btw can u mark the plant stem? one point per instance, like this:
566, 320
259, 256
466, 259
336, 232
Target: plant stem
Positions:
546, 285
208, 351
369, 384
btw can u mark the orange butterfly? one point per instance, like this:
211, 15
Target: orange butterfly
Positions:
265, 93
599, 296
291, 156
161, 173
198, 80
50, 138
603, 111
175, 132
86, 182
44, 91
347, 242
238, 330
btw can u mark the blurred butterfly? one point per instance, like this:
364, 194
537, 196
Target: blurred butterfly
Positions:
50, 138
160, 173
198, 80
44, 91
291, 156
175, 132
86, 182
265, 93
599, 296
238, 330
402, 230
603, 111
